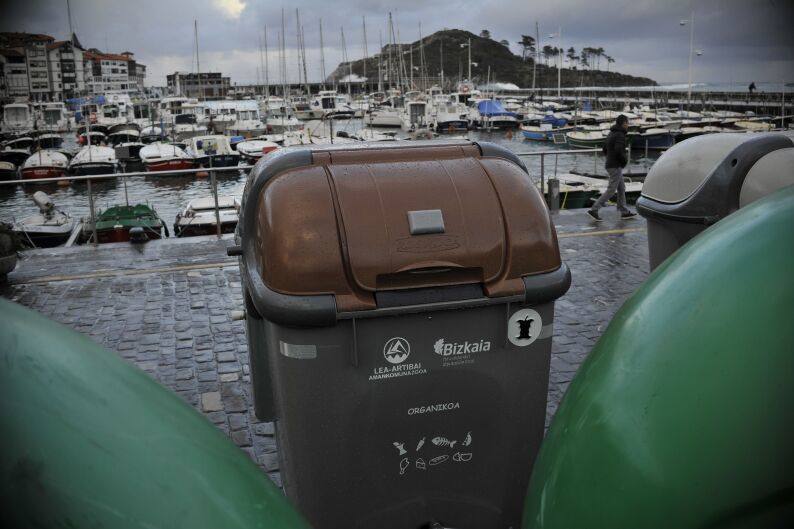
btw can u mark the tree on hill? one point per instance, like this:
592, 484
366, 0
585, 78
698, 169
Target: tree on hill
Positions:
547, 52
572, 57
485, 34
504, 43
527, 44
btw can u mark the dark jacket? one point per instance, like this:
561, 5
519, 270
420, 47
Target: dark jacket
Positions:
615, 148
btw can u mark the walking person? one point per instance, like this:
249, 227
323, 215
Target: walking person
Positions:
615, 149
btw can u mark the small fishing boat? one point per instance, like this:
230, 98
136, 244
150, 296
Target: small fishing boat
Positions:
198, 217
46, 163
594, 139
124, 223
252, 150
212, 151
656, 139
8, 171
165, 157
49, 228
93, 160
490, 114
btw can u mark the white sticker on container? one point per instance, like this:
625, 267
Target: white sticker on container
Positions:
300, 352
524, 327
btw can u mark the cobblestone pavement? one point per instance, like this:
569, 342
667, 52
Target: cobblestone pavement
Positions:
167, 307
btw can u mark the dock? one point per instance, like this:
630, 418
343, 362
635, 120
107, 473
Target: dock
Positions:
170, 307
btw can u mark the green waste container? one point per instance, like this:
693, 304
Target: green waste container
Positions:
681, 415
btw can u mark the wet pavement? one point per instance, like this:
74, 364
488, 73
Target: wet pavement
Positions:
168, 307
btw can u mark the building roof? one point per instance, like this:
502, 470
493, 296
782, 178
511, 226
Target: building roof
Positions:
96, 55
8, 52
9, 38
57, 44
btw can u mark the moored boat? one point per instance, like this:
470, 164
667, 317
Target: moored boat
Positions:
252, 150
45, 163
657, 139
50, 227
93, 160
124, 223
586, 139
212, 151
8, 171
198, 217
165, 157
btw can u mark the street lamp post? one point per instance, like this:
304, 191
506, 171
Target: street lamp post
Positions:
691, 23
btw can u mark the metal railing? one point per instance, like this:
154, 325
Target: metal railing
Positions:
124, 175
556, 154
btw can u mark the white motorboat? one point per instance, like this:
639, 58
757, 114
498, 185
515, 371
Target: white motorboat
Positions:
92, 160
54, 117
252, 150
17, 117
50, 227
186, 126
165, 157
384, 116
332, 105
282, 123
415, 116
151, 134
45, 163
212, 151
199, 217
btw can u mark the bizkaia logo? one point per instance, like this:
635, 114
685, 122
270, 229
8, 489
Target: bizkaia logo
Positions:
396, 350
444, 348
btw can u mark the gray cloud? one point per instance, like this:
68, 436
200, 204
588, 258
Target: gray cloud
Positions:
742, 40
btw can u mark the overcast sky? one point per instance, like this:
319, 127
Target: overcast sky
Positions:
742, 40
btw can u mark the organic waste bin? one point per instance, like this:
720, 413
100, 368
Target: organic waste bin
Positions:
400, 305
704, 179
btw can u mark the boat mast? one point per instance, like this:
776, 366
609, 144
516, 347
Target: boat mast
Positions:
303, 55
441, 55
422, 72
366, 53
198, 64
380, 61
322, 54
345, 59
469, 46
283, 44
535, 59
267, 75
298, 38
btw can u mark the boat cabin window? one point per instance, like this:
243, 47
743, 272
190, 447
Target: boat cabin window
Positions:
185, 119
16, 113
328, 102
52, 116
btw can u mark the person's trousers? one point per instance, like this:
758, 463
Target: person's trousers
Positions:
616, 185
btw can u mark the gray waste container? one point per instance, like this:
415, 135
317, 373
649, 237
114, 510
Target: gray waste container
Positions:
704, 179
400, 304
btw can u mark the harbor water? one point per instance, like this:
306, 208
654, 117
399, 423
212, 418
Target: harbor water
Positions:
168, 195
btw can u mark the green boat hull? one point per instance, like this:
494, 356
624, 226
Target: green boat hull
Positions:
114, 224
681, 415
90, 441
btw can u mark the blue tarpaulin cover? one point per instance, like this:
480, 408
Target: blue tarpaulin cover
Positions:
491, 108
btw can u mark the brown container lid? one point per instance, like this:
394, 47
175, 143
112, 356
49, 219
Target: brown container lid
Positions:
358, 221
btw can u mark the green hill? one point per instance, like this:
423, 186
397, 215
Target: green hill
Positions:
505, 66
